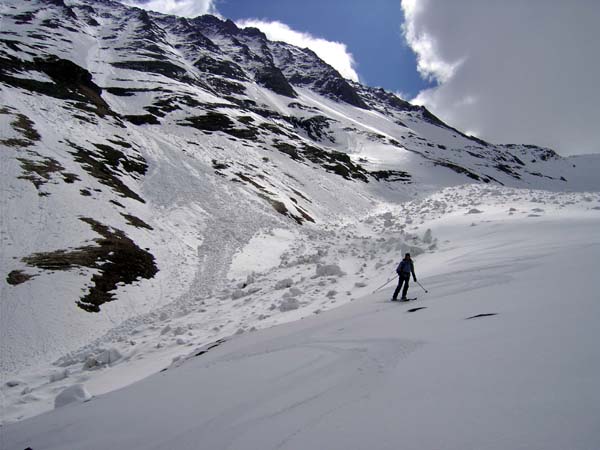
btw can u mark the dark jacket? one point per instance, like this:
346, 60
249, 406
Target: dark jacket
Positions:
406, 268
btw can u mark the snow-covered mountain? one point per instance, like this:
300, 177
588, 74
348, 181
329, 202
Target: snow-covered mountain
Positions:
170, 182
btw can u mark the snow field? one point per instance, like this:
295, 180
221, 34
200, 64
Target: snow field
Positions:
282, 276
500, 354
228, 263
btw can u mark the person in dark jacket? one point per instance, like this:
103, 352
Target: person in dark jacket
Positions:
404, 271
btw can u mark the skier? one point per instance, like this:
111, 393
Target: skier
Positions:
404, 270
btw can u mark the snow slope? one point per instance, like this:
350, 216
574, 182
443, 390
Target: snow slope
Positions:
185, 139
168, 183
500, 354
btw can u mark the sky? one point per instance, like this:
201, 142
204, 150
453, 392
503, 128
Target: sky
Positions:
507, 71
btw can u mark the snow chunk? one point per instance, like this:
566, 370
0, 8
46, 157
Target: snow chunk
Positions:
26, 390
109, 356
58, 376
285, 283
179, 331
67, 360
427, 237
289, 304
105, 358
238, 293
90, 363
293, 292
474, 211
72, 394
329, 270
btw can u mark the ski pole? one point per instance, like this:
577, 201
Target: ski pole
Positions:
384, 284
422, 287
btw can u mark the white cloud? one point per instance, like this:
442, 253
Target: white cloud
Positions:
429, 63
511, 71
184, 8
335, 54
402, 95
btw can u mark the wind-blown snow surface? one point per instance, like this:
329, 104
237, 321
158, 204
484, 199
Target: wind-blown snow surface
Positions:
502, 352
